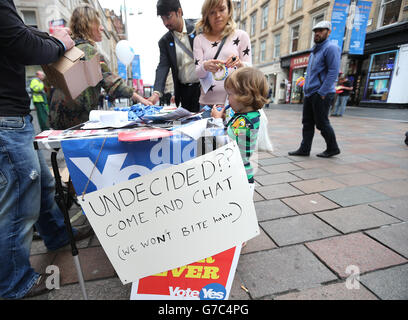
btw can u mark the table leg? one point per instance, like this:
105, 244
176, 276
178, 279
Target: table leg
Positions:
62, 204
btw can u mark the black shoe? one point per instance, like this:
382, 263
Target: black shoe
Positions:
328, 154
299, 153
83, 233
38, 288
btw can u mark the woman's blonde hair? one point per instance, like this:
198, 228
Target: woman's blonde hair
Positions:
203, 26
250, 86
82, 20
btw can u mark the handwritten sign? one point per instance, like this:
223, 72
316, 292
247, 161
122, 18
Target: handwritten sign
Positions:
176, 216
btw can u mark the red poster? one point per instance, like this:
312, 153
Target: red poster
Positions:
208, 279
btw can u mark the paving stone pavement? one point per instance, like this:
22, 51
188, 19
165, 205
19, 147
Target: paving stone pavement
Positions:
330, 228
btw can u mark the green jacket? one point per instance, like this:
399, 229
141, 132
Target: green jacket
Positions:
66, 113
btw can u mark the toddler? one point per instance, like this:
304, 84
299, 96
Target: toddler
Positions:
247, 91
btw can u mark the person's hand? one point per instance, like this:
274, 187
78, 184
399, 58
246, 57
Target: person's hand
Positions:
218, 114
213, 65
154, 98
233, 62
323, 97
63, 35
140, 99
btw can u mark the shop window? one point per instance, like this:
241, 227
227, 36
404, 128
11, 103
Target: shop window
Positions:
380, 76
297, 86
294, 41
389, 12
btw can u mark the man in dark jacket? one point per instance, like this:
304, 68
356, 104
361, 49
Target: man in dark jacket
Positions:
26, 184
176, 53
319, 90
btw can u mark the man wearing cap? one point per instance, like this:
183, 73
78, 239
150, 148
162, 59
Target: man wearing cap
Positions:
176, 53
319, 90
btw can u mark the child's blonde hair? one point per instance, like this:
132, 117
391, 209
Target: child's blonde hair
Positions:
250, 86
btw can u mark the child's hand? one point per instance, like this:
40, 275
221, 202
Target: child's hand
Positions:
218, 112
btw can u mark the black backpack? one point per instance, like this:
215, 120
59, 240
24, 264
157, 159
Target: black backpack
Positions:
406, 138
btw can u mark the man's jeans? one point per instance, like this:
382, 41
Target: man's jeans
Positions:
27, 191
340, 106
316, 114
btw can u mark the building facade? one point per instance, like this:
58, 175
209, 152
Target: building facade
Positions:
281, 37
48, 14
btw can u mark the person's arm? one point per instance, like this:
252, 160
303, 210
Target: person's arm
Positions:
23, 43
162, 71
245, 53
332, 61
203, 67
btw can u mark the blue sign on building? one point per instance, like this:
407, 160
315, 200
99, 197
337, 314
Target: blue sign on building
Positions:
122, 70
339, 20
136, 74
357, 40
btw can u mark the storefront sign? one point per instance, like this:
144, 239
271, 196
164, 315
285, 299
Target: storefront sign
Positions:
357, 40
339, 20
300, 62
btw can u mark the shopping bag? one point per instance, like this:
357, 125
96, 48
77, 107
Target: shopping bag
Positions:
264, 144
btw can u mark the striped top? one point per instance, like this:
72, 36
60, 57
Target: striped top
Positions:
243, 128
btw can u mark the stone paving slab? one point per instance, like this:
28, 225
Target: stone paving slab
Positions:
317, 185
351, 196
278, 168
394, 237
396, 207
356, 249
261, 242
389, 284
106, 289
392, 189
272, 209
342, 169
391, 173
357, 179
310, 203
276, 178
237, 293
297, 229
278, 191
271, 272
314, 173
336, 291
96, 265
273, 161
356, 218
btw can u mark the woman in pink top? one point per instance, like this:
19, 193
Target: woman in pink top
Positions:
216, 23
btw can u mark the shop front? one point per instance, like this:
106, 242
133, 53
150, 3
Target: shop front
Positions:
297, 74
385, 69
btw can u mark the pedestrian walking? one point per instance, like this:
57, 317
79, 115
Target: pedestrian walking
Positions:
343, 91
40, 100
319, 91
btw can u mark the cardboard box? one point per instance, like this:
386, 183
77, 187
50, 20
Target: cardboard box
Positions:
72, 74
